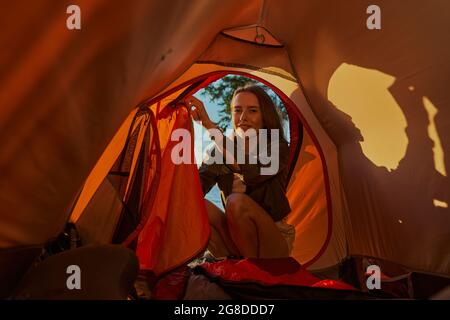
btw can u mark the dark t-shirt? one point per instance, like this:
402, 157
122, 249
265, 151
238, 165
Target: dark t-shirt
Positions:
269, 191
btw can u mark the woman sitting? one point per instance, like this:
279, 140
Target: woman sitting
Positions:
253, 224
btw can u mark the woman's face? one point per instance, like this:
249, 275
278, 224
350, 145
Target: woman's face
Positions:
246, 112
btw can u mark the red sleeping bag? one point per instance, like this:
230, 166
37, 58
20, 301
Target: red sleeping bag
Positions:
268, 272
282, 278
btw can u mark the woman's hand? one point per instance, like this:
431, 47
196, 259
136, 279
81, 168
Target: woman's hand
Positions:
198, 111
238, 185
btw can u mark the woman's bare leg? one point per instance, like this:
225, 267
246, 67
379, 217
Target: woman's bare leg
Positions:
220, 243
252, 229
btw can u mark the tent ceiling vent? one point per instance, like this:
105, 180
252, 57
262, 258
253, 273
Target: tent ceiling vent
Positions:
253, 33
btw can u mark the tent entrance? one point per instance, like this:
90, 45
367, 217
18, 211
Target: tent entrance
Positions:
112, 207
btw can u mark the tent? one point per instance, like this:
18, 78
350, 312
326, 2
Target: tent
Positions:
84, 110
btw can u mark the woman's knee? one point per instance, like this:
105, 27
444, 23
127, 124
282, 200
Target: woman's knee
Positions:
236, 206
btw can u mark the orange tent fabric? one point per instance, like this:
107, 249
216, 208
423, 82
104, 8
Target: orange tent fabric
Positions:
177, 228
376, 103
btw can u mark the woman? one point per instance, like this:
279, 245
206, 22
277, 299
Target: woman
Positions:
255, 204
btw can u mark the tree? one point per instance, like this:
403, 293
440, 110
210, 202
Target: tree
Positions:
221, 93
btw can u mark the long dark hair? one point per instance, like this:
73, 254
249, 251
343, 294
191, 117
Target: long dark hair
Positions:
270, 115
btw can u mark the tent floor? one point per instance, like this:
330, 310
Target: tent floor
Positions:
190, 283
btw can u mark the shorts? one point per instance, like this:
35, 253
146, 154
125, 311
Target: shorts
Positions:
288, 232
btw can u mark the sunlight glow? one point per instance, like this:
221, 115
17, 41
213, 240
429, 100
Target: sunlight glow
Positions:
364, 95
440, 204
438, 153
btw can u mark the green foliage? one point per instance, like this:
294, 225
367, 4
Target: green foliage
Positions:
221, 93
